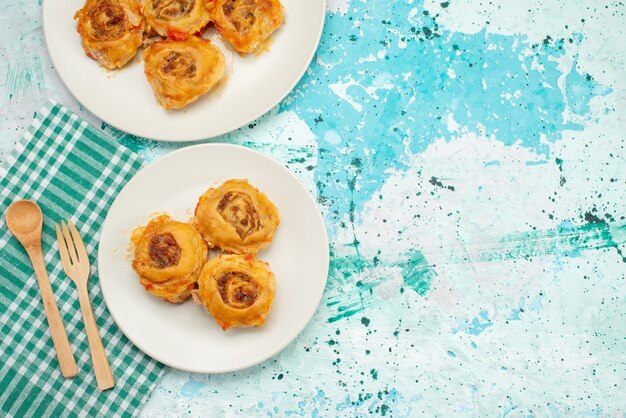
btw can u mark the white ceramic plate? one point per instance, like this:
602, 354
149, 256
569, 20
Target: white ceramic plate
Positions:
125, 100
185, 336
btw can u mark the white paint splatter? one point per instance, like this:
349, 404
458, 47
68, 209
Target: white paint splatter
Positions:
341, 90
338, 6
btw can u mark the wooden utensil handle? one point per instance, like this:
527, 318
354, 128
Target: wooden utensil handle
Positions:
101, 366
59, 336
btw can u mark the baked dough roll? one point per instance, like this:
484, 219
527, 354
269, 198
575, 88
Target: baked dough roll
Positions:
181, 71
111, 31
238, 290
176, 19
246, 24
169, 256
236, 217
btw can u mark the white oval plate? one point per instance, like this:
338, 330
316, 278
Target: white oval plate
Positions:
124, 99
185, 336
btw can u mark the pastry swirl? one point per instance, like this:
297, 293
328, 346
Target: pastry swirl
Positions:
176, 19
181, 71
169, 256
238, 290
236, 217
245, 24
111, 31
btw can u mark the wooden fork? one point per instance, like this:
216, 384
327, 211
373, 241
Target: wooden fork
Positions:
76, 265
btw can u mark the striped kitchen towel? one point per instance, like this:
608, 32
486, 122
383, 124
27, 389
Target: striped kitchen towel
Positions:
71, 170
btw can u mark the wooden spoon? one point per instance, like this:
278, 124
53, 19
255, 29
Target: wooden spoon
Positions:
24, 219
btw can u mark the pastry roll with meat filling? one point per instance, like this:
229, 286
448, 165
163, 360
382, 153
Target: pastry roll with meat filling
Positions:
237, 290
169, 256
176, 19
181, 71
236, 217
246, 24
111, 31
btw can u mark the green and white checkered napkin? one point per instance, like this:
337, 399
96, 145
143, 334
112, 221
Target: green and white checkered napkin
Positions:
72, 171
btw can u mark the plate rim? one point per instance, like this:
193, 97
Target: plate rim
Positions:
266, 109
319, 218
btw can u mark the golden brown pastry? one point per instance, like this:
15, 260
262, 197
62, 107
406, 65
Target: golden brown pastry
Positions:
238, 290
246, 24
236, 217
169, 256
176, 19
111, 31
181, 71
